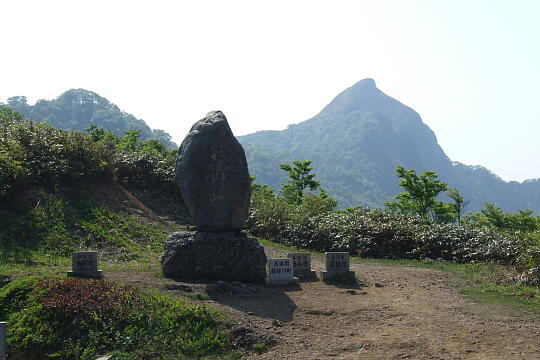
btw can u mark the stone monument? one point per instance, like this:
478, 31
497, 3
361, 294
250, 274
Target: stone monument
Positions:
337, 266
84, 264
280, 272
302, 265
211, 171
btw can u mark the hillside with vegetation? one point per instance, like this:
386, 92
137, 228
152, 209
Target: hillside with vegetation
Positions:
63, 191
358, 139
414, 225
77, 109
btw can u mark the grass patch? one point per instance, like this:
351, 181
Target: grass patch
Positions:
57, 266
260, 348
40, 264
42, 237
52, 318
524, 300
424, 264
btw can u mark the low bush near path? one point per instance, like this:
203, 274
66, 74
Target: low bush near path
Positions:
53, 318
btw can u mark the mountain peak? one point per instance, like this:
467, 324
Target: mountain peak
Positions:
357, 140
367, 82
364, 95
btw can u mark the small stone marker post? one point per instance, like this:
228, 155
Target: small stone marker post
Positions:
337, 265
280, 272
3, 341
84, 264
302, 265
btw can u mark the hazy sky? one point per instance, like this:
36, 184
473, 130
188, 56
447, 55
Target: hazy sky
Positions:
470, 68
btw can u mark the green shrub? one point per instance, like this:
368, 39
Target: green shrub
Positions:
82, 319
14, 296
385, 234
143, 170
38, 154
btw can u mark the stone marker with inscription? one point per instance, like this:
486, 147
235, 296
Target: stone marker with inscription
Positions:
337, 265
212, 174
302, 265
3, 341
84, 264
280, 272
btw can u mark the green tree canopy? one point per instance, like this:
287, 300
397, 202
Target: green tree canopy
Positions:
77, 109
492, 216
420, 195
300, 179
459, 203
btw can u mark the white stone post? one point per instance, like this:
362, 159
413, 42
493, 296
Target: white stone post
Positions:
3, 341
302, 265
337, 265
280, 272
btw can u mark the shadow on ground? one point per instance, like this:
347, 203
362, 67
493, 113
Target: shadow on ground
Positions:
267, 302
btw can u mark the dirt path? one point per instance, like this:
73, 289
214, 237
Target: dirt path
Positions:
412, 313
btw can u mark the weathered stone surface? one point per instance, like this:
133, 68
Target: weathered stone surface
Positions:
337, 267
302, 265
212, 172
84, 264
280, 272
230, 255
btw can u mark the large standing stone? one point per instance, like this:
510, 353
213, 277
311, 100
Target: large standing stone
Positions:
227, 255
212, 172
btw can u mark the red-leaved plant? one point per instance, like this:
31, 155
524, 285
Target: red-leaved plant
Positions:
80, 297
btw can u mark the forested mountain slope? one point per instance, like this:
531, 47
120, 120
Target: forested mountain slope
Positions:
356, 141
76, 109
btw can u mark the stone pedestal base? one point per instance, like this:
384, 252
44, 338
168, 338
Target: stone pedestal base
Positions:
281, 282
86, 275
226, 256
337, 275
305, 274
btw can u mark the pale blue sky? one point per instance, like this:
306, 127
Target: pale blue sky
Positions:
470, 68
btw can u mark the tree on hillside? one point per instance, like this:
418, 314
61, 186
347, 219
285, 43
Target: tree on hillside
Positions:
459, 203
493, 216
300, 188
12, 168
420, 195
99, 134
261, 190
300, 179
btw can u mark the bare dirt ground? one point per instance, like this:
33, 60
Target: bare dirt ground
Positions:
393, 313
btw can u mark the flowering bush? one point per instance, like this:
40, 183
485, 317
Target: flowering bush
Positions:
384, 234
